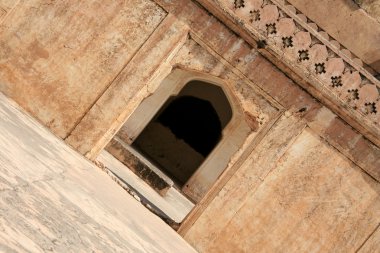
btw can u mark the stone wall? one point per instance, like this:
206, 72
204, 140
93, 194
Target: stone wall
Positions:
58, 58
372, 7
294, 193
348, 24
242, 213
6, 6
303, 180
293, 181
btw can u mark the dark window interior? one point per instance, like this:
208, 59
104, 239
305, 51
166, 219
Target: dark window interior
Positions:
185, 130
193, 120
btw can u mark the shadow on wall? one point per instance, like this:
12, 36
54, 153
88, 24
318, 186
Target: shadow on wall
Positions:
376, 65
353, 4
372, 7
186, 130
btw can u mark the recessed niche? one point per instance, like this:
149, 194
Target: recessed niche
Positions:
185, 130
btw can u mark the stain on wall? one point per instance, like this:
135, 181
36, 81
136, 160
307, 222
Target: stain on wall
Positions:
57, 58
372, 7
353, 27
293, 191
7, 5
310, 198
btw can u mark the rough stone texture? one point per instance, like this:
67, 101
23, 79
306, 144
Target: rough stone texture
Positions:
299, 103
351, 26
372, 7
315, 196
52, 199
373, 243
145, 170
3, 10
252, 101
7, 5
309, 56
235, 192
335, 130
286, 188
129, 88
275, 83
343, 137
172, 207
57, 58
2, 13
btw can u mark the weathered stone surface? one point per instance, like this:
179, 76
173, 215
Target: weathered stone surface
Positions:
348, 141
172, 208
373, 243
351, 26
57, 58
141, 167
128, 89
2, 12
247, 178
309, 70
277, 85
312, 200
372, 7
7, 5
52, 199
199, 57
300, 196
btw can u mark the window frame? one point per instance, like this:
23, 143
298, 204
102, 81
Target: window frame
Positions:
233, 135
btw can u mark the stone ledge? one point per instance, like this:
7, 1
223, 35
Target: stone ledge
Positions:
140, 165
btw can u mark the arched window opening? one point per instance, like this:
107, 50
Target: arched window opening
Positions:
185, 130
181, 138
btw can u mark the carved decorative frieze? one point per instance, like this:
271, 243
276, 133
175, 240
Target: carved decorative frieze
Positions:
299, 41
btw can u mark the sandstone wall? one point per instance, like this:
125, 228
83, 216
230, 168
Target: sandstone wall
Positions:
348, 24
58, 57
372, 7
304, 186
303, 180
294, 193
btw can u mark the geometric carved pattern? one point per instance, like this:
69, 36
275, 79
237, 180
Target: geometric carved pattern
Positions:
287, 30
239, 4
354, 94
271, 28
320, 68
255, 15
287, 41
336, 81
303, 55
370, 108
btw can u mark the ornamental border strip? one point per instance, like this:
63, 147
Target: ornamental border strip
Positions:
296, 39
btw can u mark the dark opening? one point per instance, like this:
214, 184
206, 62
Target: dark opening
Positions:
195, 121
186, 130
